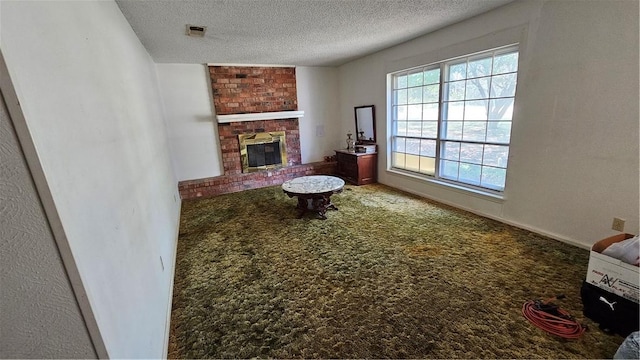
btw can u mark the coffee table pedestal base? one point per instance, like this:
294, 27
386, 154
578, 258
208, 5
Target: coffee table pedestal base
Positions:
317, 203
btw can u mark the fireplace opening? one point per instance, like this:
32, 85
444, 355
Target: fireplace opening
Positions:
264, 154
262, 151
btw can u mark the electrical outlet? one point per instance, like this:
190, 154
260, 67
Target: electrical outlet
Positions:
618, 224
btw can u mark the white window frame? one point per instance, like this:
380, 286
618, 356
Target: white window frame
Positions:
436, 176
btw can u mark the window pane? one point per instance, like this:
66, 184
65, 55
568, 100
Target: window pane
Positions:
501, 109
449, 169
414, 128
428, 148
451, 151
475, 110
493, 178
415, 95
430, 129
431, 93
400, 128
400, 81
480, 67
397, 160
474, 130
413, 146
454, 91
415, 78
398, 144
400, 97
471, 153
430, 112
432, 76
452, 130
469, 173
400, 112
499, 131
505, 63
457, 72
427, 165
477, 88
412, 162
414, 112
454, 111
496, 155
503, 85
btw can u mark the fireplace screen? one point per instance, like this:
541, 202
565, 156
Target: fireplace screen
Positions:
262, 151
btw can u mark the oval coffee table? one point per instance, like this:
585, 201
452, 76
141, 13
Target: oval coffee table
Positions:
314, 193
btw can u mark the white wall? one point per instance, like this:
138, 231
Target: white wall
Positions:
89, 95
573, 161
320, 127
32, 273
191, 124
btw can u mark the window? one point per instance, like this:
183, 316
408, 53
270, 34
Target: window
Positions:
452, 120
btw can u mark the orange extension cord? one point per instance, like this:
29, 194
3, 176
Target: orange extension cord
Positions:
552, 319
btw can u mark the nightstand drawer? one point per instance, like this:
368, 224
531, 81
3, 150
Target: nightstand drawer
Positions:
346, 158
357, 168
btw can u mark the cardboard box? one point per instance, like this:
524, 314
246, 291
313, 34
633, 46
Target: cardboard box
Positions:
611, 274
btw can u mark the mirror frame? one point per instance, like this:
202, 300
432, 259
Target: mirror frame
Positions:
371, 140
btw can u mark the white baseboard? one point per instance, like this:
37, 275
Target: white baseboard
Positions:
502, 220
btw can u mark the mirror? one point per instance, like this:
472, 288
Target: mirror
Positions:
365, 124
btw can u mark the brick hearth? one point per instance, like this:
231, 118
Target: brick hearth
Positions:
218, 185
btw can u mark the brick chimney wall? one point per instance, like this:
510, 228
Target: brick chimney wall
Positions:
243, 90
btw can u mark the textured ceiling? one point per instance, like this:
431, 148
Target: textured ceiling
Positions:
291, 32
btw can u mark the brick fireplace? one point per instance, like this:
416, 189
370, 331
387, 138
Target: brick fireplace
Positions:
230, 146
253, 90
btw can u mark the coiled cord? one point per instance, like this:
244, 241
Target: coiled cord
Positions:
552, 319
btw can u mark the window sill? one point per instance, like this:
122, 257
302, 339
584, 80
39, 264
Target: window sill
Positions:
486, 195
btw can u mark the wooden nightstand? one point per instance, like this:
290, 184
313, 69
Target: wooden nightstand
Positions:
357, 168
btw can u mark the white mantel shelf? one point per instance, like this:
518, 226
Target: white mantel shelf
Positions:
259, 116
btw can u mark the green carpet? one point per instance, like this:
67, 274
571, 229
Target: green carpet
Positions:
388, 275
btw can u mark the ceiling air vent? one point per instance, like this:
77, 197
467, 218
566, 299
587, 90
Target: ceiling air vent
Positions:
196, 31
